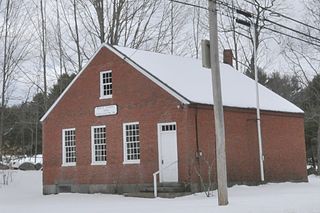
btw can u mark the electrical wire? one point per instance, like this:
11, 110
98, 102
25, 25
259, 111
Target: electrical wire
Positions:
267, 28
284, 16
279, 32
272, 22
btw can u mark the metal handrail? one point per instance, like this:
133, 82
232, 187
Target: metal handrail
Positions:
155, 187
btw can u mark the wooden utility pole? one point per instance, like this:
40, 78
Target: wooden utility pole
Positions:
218, 108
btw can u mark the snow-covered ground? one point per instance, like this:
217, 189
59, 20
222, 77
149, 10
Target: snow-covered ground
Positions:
16, 161
24, 195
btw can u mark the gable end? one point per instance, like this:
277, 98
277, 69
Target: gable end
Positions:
130, 62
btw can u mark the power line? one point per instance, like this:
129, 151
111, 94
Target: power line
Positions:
288, 35
284, 16
263, 19
293, 30
279, 32
267, 28
265, 8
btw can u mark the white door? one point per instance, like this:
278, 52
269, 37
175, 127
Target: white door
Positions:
168, 153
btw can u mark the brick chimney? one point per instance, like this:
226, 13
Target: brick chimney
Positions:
228, 57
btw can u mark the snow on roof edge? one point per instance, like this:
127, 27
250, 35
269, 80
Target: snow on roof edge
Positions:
148, 74
71, 83
133, 63
159, 64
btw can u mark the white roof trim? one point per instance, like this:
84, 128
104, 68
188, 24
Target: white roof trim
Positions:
68, 87
129, 61
149, 75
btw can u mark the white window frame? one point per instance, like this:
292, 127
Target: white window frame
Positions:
125, 160
93, 159
64, 163
102, 96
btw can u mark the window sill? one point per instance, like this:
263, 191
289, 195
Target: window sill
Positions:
68, 164
102, 163
132, 162
105, 97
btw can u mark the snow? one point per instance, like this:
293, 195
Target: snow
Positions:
16, 161
24, 195
188, 78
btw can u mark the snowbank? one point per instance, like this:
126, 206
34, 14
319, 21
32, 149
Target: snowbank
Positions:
16, 161
24, 195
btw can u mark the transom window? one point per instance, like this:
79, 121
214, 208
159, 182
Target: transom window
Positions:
105, 84
98, 142
69, 147
170, 127
131, 144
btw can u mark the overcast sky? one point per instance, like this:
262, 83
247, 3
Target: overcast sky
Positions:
277, 63
294, 9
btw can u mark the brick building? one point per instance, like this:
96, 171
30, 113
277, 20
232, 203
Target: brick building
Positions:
130, 113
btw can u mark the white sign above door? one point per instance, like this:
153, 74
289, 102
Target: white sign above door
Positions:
106, 110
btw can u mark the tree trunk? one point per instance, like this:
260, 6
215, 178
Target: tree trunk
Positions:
77, 34
44, 53
4, 80
318, 149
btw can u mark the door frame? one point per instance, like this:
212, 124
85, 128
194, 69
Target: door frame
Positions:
159, 125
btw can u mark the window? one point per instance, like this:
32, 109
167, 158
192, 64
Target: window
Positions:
131, 143
98, 145
169, 127
69, 147
105, 84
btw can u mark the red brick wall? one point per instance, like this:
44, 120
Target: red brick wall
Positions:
139, 99
283, 145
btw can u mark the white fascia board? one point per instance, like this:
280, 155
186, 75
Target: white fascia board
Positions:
70, 85
148, 75
126, 59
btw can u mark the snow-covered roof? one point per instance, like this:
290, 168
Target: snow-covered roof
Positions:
188, 78
189, 82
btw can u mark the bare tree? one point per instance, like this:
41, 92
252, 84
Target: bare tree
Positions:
228, 27
76, 30
43, 54
303, 59
241, 38
15, 46
71, 12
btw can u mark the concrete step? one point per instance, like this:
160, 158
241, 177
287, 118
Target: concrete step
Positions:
165, 189
171, 184
160, 194
139, 194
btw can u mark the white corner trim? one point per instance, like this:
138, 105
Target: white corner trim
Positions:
121, 55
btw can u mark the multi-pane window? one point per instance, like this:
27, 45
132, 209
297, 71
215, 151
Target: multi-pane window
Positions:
106, 84
69, 147
98, 142
169, 127
131, 142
